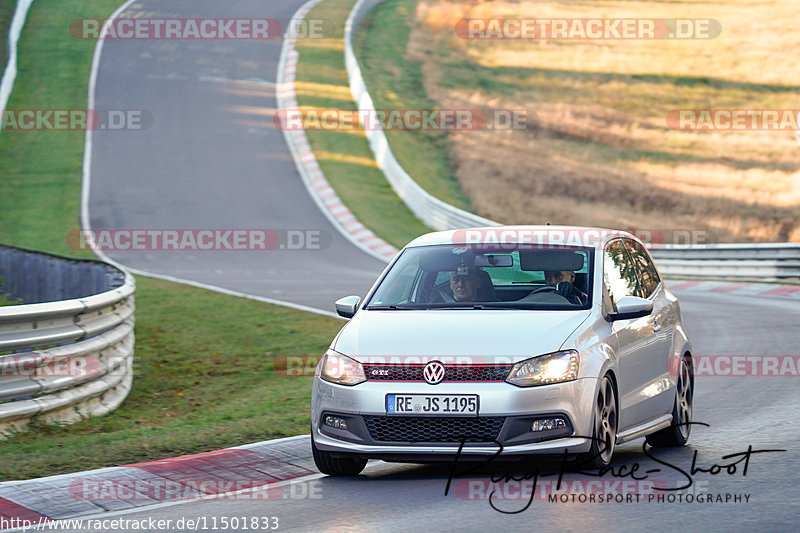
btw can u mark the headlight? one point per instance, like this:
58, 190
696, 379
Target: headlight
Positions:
340, 369
545, 369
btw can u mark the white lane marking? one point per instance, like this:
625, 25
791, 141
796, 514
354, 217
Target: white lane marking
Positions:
87, 182
299, 147
223, 290
273, 441
210, 497
14, 33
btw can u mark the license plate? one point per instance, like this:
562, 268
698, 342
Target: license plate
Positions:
432, 404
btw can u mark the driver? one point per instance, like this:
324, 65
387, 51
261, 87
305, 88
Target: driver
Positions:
563, 281
464, 283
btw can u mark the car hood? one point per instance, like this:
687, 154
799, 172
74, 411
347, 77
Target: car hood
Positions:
488, 336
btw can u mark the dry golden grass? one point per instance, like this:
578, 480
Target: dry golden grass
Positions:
600, 151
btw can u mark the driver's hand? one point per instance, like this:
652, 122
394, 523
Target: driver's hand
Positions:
570, 292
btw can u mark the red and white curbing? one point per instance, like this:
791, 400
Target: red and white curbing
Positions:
737, 288
308, 167
262, 468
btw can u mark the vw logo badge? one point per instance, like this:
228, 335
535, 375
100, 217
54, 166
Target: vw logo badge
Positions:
433, 372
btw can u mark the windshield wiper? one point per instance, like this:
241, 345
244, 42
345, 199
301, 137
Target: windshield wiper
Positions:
481, 307
392, 308
500, 307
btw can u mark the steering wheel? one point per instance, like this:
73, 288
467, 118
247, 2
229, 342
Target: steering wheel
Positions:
546, 288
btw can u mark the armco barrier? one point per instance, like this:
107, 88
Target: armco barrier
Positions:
432, 211
763, 261
67, 351
731, 261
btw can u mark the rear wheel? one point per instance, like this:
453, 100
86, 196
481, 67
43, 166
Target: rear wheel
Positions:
336, 466
605, 423
678, 433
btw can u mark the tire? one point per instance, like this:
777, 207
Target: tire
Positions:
605, 422
678, 433
336, 466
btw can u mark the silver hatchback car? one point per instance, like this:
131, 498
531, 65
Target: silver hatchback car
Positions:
525, 339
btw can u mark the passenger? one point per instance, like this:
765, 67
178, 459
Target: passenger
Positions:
562, 281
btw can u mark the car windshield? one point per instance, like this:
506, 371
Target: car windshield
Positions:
511, 277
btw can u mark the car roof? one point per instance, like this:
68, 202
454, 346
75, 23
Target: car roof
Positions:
552, 235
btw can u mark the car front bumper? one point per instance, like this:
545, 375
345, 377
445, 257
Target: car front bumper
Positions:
512, 408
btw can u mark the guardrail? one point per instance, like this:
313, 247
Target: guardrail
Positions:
435, 213
64, 360
759, 261
771, 262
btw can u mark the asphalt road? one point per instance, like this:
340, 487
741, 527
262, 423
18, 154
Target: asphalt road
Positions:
742, 411
211, 158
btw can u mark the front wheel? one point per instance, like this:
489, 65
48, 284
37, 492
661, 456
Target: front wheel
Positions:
605, 424
336, 466
678, 433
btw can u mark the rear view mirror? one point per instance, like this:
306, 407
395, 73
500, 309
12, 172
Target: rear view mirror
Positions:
632, 307
346, 307
494, 260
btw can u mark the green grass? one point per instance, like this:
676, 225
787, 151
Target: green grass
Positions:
41, 170
596, 114
199, 384
396, 82
345, 156
8, 300
6, 14
203, 361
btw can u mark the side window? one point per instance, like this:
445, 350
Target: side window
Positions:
619, 276
644, 265
398, 285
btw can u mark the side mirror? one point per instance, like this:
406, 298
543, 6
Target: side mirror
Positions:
632, 307
346, 307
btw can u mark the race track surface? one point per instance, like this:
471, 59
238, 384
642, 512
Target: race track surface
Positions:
211, 158
742, 411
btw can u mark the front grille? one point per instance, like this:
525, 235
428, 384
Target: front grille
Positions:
434, 429
451, 372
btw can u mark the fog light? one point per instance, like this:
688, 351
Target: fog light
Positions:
547, 424
335, 422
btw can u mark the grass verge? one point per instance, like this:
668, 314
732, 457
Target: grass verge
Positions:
6, 14
344, 155
395, 81
596, 149
204, 376
199, 384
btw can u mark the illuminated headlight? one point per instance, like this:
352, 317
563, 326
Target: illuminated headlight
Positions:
545, 369
548, 424
338, 368
336, 422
